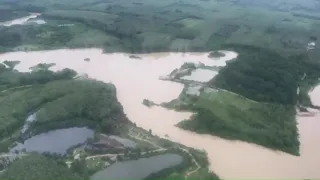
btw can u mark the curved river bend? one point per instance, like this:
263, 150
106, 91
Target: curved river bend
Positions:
137, 79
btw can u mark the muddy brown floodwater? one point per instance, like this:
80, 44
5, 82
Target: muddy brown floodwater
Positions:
137, 79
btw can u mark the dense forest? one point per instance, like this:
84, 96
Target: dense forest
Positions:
266, 76
35, 167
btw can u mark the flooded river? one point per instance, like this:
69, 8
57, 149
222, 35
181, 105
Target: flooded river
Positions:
137, 79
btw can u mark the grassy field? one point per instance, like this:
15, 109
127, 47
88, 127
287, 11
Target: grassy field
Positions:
235, 117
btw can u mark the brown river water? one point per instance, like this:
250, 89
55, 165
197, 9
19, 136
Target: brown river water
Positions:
137, 79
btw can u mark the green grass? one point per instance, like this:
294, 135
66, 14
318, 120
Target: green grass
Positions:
235, 117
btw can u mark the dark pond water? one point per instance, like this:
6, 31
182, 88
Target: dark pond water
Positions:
138, 169
56, 141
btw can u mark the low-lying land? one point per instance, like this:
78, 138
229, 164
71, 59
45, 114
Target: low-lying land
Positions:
59, 101
253, 98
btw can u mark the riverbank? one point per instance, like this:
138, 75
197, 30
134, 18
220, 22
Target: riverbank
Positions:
138, 79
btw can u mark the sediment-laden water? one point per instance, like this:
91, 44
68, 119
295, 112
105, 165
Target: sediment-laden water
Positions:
137, 79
